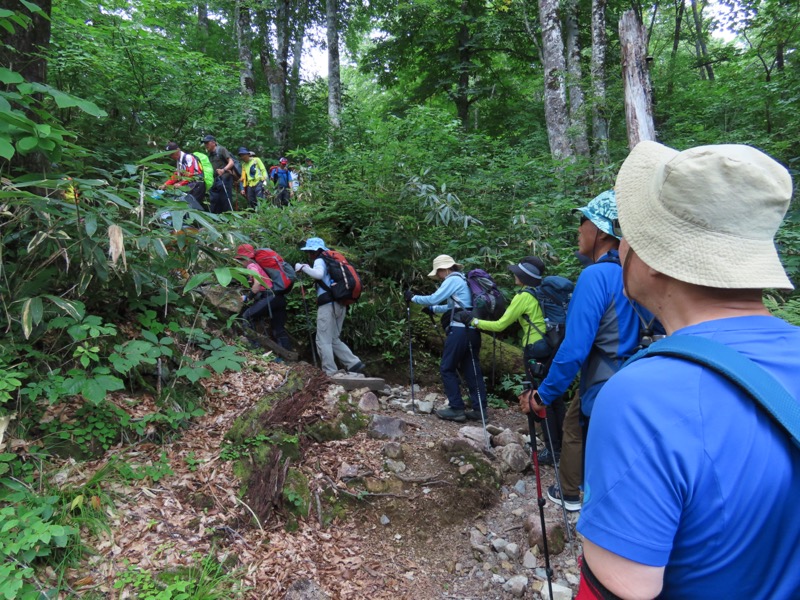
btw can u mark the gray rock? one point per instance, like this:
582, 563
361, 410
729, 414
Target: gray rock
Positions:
386, 428
369, 403
432, 398
417, 389
386, 391
460, 445
503, 558
520, 487
561, 592
506, 437
305, 589
395, 466
493, 429
393, 450
512, 550
424, 407
476, 538
347, 471
464, 469
473, 433
529, 561
514, 456
384, 520
516, 585
499, 579
499, 544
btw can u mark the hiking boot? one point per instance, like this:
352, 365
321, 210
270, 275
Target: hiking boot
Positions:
475, 415
359, 367
546, 457
571, 503
452, 414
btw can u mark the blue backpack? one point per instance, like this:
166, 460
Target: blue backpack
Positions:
553, 294
738, 369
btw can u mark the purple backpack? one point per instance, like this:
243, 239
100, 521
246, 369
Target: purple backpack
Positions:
488, 302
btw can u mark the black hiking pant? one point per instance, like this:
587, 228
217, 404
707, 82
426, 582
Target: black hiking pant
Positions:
273, 307
221, 194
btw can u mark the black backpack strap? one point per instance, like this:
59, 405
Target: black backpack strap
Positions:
760, 385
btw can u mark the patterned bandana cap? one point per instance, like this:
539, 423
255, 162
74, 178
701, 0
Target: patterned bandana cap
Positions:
602, 211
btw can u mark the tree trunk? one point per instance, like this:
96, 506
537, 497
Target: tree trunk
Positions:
202, 25
246, 78
25, 51
680, 7
555, 95
294, 79
334, 70
577, 103
599, 108
701, 41
274, 62
636, 80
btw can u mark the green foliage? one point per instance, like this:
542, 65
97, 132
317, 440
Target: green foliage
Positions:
206, 579
154, 473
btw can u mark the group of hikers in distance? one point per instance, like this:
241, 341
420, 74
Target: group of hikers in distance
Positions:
685, 462
218, 174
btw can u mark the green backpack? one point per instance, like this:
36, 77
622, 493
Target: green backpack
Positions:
208, 170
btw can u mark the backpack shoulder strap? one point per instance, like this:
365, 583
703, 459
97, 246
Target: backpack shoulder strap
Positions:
737, 368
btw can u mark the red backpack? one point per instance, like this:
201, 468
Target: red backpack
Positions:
346, 284
280, 272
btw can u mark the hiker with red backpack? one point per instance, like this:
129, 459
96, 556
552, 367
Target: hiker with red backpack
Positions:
338, 286
266, 302
188, 174
462, 347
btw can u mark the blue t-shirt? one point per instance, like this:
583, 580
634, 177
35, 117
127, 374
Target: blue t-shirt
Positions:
685, 470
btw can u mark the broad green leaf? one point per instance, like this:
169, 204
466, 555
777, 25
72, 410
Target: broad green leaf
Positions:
195, 281
34, 8
7, 76
36, 310
90, 222
6, 148
27, 144
74, 309
224, 275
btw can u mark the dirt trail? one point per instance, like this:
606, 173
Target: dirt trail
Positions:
408, 537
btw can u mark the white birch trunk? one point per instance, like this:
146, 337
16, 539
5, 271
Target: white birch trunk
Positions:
555, 95
247, 81
636, 80
334, 68
598, 70
577, 103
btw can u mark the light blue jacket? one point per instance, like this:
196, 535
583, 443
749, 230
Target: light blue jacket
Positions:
442, 300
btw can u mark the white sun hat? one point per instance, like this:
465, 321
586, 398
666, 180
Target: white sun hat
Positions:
707, 215
443, 261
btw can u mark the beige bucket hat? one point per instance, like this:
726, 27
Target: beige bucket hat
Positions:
443, 261
707, 215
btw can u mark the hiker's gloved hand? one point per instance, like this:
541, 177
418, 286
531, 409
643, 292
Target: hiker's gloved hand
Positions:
244, 297
299, 267
408, 295
463, 316
428, 310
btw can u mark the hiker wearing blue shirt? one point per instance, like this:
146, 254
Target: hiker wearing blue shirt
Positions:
462, 347
602, 331
690, 483
282, 178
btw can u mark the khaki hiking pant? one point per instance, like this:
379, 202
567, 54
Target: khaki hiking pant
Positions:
571, 465
330, 319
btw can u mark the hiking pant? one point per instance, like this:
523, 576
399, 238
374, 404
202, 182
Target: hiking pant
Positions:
221, 194
273, 307
555, 424
457, 358
572, 445
282, 195
330, 319
254, 193
197, 190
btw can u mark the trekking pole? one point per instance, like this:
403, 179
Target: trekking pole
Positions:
478, 388
540, 501
410, 356
558, 475
308, 326
494, 358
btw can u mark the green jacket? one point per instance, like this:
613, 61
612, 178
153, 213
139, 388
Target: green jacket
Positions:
522, 304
